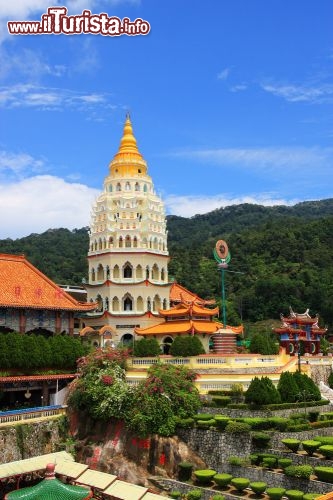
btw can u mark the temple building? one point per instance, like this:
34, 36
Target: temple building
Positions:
32, 303
128, 255
299, 333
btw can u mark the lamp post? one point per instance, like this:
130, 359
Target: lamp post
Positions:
222, 256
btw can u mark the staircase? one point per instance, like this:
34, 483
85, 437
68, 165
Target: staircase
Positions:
326, 392
224, 343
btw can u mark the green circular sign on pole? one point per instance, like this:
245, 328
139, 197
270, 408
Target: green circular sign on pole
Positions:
223, 257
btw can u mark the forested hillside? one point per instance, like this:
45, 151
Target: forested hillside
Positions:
284, 253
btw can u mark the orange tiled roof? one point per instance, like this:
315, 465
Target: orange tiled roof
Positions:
179, 293
174, 327
36, 378
183, 309
23, 285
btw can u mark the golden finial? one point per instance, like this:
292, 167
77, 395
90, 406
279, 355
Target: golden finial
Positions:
128, 142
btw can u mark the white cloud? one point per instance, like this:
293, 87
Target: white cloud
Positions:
51, 98
223, 75
19, 164
29, 64
320, 93
273, 158
187, 206
36, 204
238, 88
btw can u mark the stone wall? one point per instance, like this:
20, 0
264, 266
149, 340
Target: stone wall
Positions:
235, 413
28, 440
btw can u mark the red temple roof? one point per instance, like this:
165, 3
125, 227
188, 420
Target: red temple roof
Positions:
24, 286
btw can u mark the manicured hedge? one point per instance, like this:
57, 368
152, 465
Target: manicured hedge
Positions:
194, 495
321, 424
261, 439
218, 497
311, 496
221, 401
300, 471
275, 493
294, 494
326, 450
284, 462
292, 444
269, 462
310, 446
204, 424
203, 416
324, 474
185, 471
324, 439
240, 483
204, 476
221, 421
222, 480
258, 487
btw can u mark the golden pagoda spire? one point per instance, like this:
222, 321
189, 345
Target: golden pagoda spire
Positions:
128, 160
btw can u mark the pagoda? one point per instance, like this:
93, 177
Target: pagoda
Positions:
300, 329
128, 255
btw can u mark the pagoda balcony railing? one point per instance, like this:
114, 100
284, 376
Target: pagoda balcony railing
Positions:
12, 416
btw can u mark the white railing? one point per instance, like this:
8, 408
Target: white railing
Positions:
30, 415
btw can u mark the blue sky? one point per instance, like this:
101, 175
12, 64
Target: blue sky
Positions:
231, 102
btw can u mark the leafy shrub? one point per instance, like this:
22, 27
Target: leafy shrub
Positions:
284, 462
260, 439
330, 380
254, 459
308, 391
294, 494
185, 471
146, 347
222, 480
300, 471
301, 417
240, 483
310, 446
287, 388
221, 421
218, 497
278, 423
261, 391
324, 474
321, 424
326, 450
291, 444
269, 462
187, 346
326, 416
237, 428
258, 487
313, 416
204, 476
298, 427
235, 460
194, 495
221, 401
185, 423
275, 493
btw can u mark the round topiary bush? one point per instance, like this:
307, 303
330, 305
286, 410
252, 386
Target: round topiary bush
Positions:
222, 480
300, 471
294, 494
218, 497
175, 494
310, 446
221, 421
324, 473
269, 462
283, 463
254, 459
275, 493
240, 483
203, 416
326, 450
204, 424
311, 496
204, 476
258, 487
291, 444
261, 439
237, 427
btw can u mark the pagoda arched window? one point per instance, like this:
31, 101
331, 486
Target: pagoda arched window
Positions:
135, 241
93, 275
138, 272
106, 304
128, 270
121, 242
100, 245
107, 272
99, 301
127, 186
128, 303
100, 272
145, 189
137, 186
110, 242
116, 272
139, 304
155, 272
115, 304
128, 242
147, 273
155, 244
148, 304
118, 187
165, 305
156, 303
162, 274
104, 243
110, 188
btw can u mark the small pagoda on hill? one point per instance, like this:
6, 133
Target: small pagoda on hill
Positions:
300, 329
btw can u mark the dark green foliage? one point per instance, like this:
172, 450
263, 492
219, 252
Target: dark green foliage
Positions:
34, 352
258, 487
310, 446
260, 439
275, 493
185, 471
240, 483
322, 424
326, 450
330, 380
324, 474
222, 480
299, 471
264, 343
288, 388
294, 494
184, 346
175, 494
237, 427
146, 347
204, 476
221, 421
292, 444
307, 389
185, 423
254, 459
314, 415
221, 401
261, 392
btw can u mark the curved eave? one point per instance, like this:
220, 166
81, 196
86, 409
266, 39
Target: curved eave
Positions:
120, 252
300, 321
135, 283
49, 307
